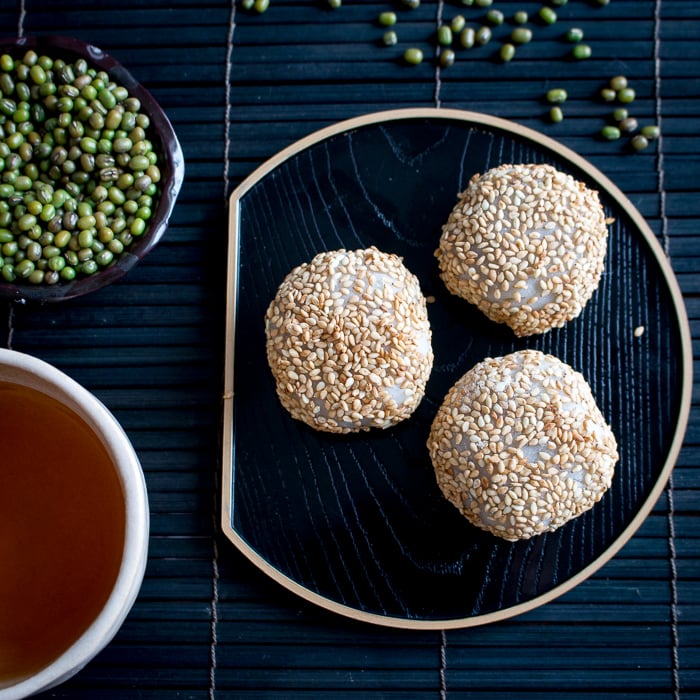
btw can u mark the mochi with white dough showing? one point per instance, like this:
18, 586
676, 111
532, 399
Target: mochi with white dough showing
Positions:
520, 446
526, 244
349, 341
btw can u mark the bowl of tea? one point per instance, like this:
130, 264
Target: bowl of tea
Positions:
75, 524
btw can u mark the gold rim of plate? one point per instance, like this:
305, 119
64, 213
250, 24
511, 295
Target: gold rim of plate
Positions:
512, 128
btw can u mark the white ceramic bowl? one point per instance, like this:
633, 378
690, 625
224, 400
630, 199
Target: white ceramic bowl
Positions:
23, 369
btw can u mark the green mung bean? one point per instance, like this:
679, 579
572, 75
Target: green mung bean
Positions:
389, 38
467, 37
581, 52
24, 268
88, 267
556, 114
521, 35
483, 35
626, 95
639, 142
37, 74
618, 82
7, 85
104, 257
547, 15
412, 56
457, 24
628, 125
556, 95
610, 133
447, 58
507, 52
444, 35
495, 17
651, 132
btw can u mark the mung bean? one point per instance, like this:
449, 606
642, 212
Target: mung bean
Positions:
389, 38
447, 58
639, 142
556, 114
467, 37
581, 52
610, 133
507, 52
483, 35
626, 95
495, 17
618, 83
547, 15
457, 24
556, 95
444, 35
651, 132
628, 125
521, 35
412, 56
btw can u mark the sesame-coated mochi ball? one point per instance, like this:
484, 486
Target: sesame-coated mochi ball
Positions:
520, 447
526, 244
349, 342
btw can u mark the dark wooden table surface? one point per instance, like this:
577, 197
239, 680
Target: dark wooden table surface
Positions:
238, 86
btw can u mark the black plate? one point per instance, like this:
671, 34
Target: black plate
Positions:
357, 523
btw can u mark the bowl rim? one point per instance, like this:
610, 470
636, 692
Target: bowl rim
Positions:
20, 368
169, 149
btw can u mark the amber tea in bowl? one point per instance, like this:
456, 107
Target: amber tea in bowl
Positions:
74, 532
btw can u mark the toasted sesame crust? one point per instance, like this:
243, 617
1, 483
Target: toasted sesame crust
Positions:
526, 244
349, 342
520, 446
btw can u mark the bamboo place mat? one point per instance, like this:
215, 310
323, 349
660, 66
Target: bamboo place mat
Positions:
238, 87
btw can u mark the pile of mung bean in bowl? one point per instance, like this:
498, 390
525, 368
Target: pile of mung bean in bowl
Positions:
90, 168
